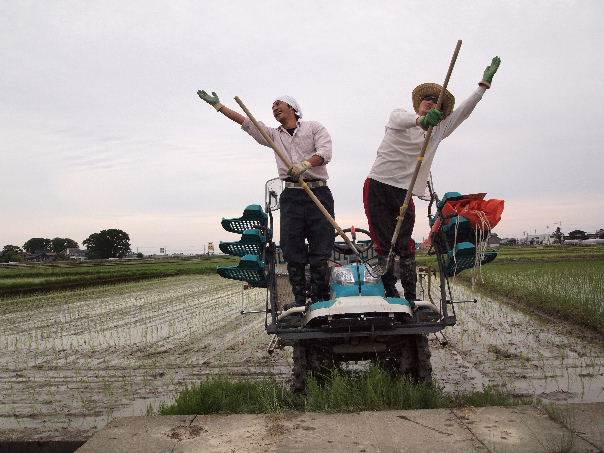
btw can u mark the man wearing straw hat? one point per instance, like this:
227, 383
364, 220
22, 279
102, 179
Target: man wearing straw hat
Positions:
386, 185
308, 145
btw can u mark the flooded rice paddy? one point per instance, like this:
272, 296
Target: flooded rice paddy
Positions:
70, 362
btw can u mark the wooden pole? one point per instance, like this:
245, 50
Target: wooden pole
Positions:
301, 181
420, 159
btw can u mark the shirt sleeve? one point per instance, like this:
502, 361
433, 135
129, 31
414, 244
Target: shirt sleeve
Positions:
249, 127
322, 142
401, 119
461, 113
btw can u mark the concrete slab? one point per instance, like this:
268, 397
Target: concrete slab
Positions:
520, 429
586, 420
233, 433
138, 434
491, 429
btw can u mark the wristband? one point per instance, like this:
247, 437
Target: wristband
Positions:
217, 106
484, 83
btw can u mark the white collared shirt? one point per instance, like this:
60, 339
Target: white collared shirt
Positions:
309, 138
402, 144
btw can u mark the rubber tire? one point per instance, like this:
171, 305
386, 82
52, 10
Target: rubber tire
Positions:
415, 358
309, 359
299, 369
423, 368
408, 357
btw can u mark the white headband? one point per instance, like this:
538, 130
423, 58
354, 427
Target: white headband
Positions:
292, 103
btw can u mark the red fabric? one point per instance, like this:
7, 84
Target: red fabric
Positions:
473, 207
411, 246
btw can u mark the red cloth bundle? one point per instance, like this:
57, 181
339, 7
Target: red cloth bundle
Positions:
474, 208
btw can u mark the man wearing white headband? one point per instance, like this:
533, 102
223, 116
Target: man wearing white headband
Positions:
308, 145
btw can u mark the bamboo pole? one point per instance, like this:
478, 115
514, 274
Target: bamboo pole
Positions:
420, 159
301, 181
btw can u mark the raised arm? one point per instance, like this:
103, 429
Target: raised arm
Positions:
463, 111
215, 102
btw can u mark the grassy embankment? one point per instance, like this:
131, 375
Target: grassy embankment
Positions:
564, 281
26, 279
341, 392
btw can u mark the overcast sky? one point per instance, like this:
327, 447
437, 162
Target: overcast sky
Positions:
100, 126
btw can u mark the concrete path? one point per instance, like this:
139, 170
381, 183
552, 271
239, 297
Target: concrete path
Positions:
568, 428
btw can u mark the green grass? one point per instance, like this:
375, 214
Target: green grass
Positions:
572, 290
374, 389
563, 281
49, 277
548, 254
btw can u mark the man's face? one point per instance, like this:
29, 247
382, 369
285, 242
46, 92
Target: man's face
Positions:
428, 102
282, 111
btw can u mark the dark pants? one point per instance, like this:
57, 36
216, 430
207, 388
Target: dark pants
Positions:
302, 220
382, 206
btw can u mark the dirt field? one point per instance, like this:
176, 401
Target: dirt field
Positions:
71, 362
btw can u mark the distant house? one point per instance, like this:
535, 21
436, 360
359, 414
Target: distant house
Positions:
538, 239
41, 257
75, 253
597, 235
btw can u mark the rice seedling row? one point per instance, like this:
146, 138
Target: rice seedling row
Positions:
76, 359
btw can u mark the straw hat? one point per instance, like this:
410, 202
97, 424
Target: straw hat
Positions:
433, 88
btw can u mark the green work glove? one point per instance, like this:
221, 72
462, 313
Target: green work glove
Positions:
489, 72
297, 169
432, 118
212, 100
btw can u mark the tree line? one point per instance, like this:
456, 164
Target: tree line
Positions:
110, 243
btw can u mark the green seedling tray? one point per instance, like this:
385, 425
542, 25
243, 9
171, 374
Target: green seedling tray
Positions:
251, 269
253, 216
252, 242
465, 258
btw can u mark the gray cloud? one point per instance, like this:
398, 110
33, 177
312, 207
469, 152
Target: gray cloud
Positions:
99, 117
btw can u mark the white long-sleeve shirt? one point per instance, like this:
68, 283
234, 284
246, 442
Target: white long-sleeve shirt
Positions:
309, 138
402, 144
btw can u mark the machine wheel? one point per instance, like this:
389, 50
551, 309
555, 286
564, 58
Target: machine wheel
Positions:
423, 369
319, 363
407, 356
309, 359
300, 369
342, 247
415, 358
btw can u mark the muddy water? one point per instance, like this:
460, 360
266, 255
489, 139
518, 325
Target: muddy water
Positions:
70, 362
494, 343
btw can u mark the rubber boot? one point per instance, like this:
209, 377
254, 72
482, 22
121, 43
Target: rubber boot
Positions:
319, 281
408, 277
388, 279
297, 279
